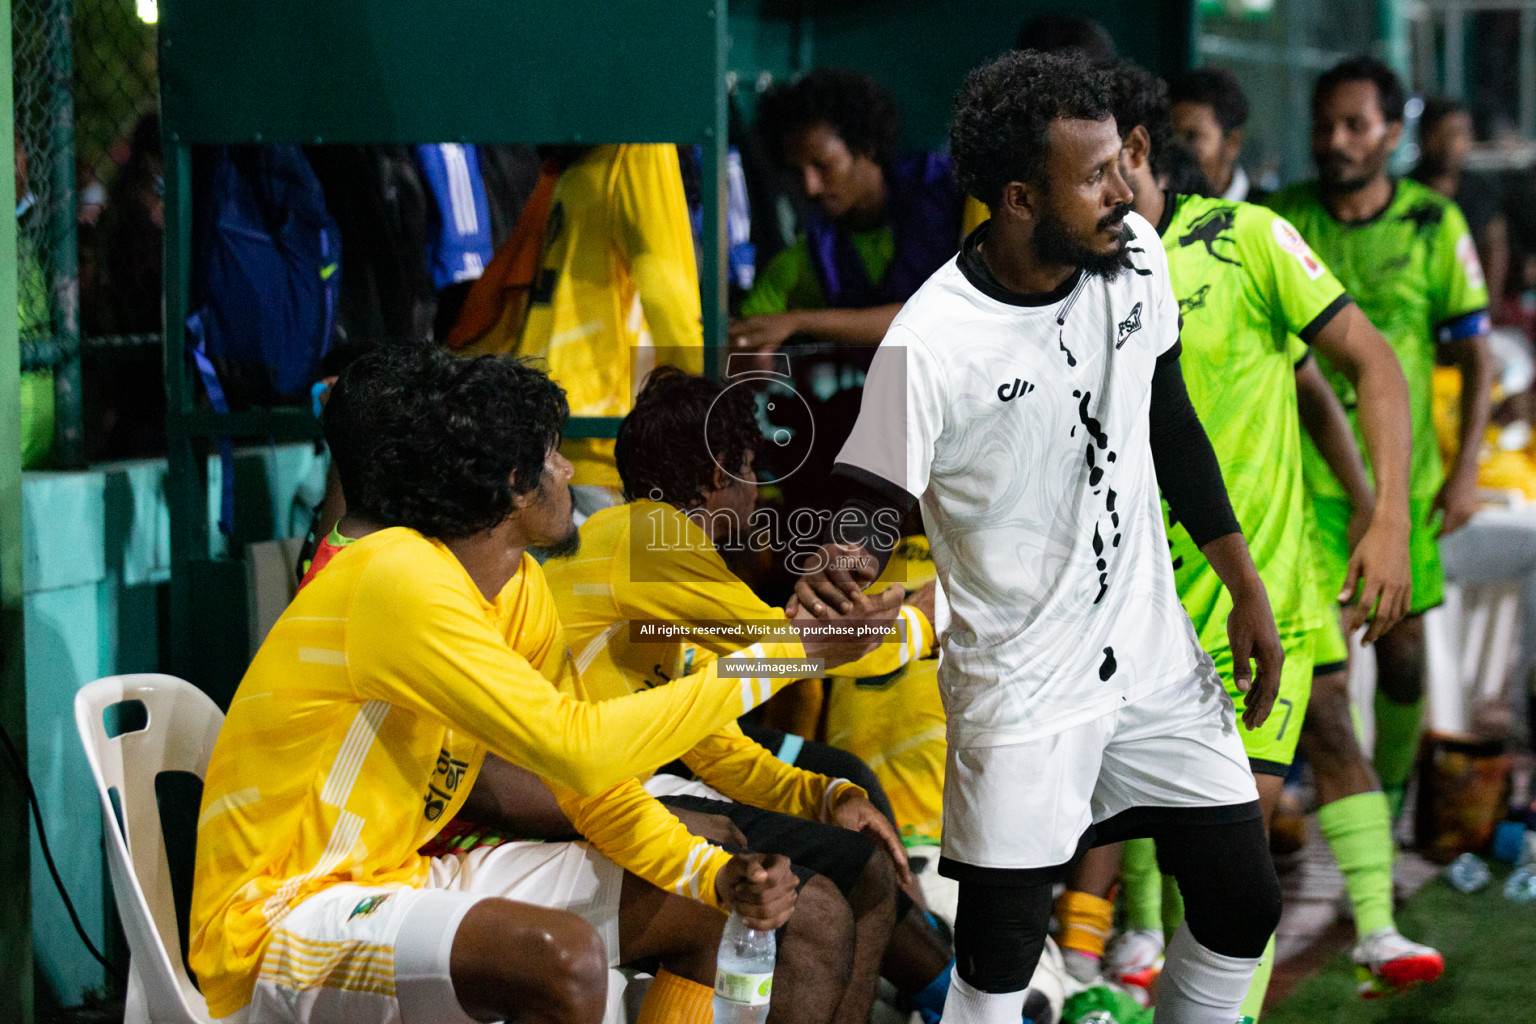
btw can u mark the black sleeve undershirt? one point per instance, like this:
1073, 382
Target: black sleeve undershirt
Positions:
1187, 473
1187, 470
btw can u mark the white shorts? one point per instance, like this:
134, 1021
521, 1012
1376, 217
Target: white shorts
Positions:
1028, 805
380, 955
663, 784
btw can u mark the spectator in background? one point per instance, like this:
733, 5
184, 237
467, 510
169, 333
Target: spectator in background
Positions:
877, 224
33, 324
1056, 32
617, 277
1209, 111
1445, 141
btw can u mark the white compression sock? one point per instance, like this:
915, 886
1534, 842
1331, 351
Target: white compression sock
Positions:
1199, 986
965, 1005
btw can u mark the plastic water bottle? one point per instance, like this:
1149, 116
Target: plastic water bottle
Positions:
1520, 886
1468, 873
743, 974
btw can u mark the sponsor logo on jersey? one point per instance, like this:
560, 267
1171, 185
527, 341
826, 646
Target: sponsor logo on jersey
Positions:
367, 906
1213, 228
1289, 240
1195, 301
1424, 216
1008, 392
1466, 254
1129, 326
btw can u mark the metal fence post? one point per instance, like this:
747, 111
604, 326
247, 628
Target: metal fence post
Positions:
63, 262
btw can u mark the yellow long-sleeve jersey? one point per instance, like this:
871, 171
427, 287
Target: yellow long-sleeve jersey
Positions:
647, 560
618, 288
363, 721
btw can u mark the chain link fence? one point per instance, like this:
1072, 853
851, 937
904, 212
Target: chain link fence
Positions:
89, 217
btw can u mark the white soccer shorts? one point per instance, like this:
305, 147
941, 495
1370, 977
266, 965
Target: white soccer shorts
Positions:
369, 955
1027, 805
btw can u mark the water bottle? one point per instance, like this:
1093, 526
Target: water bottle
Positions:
743, 974
1520, 886
1468, 873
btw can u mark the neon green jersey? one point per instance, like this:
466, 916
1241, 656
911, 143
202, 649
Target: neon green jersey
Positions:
789, 281
1413, 269
1247, 289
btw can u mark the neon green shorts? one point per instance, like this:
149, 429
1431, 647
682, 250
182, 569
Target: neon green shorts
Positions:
1272, 746
1330, 552
1330, 650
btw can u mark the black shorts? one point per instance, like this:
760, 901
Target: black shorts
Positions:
836, 853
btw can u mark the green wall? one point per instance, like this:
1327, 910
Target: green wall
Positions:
921, 49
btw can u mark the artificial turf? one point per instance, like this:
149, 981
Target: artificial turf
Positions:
1489, 944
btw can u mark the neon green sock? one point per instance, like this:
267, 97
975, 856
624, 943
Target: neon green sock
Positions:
1359, 831
1143, 884
1253, 1002
1397, 740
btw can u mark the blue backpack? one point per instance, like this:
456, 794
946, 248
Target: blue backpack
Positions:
265, 280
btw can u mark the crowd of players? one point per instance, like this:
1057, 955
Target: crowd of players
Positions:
1125, 470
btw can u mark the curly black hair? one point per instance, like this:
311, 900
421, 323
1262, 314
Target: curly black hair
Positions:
850, 102
1138, 97
1390, 98
681, 429
1216, 88
438, 443
1004, 111
1437, 109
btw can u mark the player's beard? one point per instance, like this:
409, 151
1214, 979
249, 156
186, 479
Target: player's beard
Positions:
1333, 171
1055, 244
566, 546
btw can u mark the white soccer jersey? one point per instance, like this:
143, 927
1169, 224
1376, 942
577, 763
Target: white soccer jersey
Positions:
1021, 422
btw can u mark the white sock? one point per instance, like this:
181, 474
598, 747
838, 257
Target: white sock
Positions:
1199, 986
965, 1005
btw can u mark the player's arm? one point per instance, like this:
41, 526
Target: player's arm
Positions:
1459, 306
1457, 499
1327, 424
1378, 563
415, 639
639, 834
1191, 482
767, 331
1493, 253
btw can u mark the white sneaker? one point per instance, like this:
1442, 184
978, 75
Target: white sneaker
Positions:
1135, 957
1385, 962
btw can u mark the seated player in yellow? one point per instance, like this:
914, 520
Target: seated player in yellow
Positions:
367, 715
895, 722
660, 558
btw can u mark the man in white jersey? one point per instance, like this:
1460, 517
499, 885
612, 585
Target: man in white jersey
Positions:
1029, 396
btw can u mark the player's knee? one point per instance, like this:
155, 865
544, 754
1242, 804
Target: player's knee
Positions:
1328, 732
999, 934
876, 886
1231, 891
1400, 661
573, 963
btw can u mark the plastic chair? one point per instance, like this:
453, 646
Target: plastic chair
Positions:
182, 724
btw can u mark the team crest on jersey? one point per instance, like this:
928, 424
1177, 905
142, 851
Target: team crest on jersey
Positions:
1129, 326
1213, 228
1290, 240
367, 906
1195, 301
1424, 217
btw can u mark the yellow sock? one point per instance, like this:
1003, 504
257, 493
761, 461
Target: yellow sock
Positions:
1084, 920
674, 1000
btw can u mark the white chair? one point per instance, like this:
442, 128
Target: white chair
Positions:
182, 723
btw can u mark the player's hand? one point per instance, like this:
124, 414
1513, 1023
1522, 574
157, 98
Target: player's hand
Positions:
839, 648
857, 814
1378, 585
845, 570
1457, 502
1252, 635
760, 887
764, 332
716, 828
